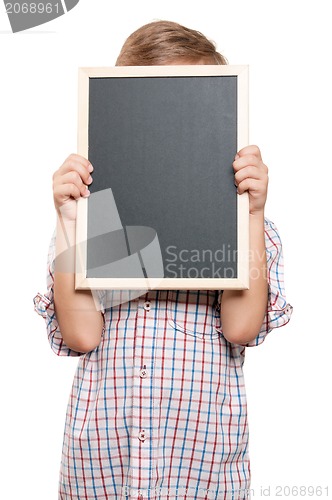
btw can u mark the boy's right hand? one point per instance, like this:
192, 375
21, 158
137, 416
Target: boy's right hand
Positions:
70, 182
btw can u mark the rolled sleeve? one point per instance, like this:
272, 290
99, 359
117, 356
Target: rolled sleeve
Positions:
279, 311
44, 306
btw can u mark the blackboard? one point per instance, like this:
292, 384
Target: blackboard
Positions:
163, 211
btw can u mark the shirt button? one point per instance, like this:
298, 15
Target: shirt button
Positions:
143, 373
141, 436
147, 306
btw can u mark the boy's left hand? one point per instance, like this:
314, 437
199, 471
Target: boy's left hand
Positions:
251, 175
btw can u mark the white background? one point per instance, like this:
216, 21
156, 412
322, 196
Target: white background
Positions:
288, 47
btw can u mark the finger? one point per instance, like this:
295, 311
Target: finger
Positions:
249, 172
245, 161
73, 177
64, 192
255, 186
78, 158
77, 170
78, 164
250, 150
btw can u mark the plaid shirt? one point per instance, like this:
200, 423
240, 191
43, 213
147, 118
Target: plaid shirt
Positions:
158, 409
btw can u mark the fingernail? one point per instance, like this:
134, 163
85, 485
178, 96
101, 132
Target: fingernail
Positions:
87, 193
89, 179
90, 167
236, 157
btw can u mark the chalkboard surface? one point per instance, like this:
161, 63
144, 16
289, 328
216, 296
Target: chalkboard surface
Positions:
163, 204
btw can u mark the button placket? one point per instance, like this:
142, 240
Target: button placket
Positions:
142, 393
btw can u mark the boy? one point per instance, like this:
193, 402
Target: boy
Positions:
158, 405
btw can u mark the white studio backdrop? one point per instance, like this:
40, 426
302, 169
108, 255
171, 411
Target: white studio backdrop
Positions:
287, 46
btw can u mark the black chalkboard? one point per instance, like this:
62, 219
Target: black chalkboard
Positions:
162, 146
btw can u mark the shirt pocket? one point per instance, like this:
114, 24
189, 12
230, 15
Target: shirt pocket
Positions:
195, 313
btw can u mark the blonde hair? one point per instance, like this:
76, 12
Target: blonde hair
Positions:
159, 42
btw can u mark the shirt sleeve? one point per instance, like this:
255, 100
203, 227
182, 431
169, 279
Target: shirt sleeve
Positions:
278, 311
44, 306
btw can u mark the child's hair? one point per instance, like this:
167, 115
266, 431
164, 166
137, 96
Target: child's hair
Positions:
159, 42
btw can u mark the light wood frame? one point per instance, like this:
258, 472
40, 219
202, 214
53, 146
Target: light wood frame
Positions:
242, 280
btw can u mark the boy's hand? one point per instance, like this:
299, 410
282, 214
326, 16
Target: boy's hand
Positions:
70, 182
251, 175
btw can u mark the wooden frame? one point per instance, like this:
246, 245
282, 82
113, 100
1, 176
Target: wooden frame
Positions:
242, 279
